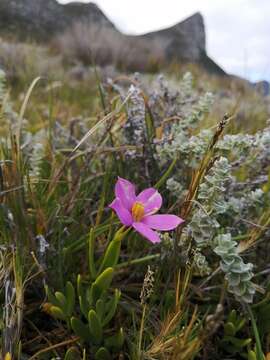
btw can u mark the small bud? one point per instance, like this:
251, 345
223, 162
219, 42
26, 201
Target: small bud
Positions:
46, 307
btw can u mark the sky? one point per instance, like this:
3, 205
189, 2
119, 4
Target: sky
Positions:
238, 31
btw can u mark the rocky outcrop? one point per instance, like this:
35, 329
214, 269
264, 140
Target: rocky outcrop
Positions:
185, 40
263, 87
41, 20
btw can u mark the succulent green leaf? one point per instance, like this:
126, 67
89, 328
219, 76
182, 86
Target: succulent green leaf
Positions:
104, 280
116, 341
62, 299
70, 298
72, 354
229, 329
232, 317
100, 308
80, 329
95, 327
238, 343
111, 255
103, 354
94, 294
240, 324
111, 307
91, 259
79, 285
52, 299
252, 355
84, 304
57, 313
101, 284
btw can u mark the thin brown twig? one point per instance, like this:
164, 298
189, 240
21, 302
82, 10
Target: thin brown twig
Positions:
63, 343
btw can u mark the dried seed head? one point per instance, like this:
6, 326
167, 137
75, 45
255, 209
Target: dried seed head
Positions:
220, 127
148, 286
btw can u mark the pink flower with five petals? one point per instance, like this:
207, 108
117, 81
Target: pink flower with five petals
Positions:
138, 211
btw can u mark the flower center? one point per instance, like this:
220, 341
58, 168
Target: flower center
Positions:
137, 211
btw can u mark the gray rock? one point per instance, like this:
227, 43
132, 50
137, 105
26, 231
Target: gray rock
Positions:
185, 40
263, 87
41, 20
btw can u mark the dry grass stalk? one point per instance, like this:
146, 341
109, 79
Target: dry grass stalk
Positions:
173, 343
206, 164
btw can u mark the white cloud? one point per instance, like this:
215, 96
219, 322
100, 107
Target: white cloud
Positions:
237, 30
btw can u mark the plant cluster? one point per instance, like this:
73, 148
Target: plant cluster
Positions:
85, 272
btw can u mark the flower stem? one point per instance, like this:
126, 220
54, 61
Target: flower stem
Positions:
142, 260
259, 351
141, 331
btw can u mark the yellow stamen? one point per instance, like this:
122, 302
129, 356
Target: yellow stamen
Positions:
137, 211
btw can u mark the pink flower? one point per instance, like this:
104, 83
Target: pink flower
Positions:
137, 211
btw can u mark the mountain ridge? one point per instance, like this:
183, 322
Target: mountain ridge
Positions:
41, 20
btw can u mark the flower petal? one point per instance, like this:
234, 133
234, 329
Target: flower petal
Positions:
162, 222
151, 199
125, 191
146, 232
123, 214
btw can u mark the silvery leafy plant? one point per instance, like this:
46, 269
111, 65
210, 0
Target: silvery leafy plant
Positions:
223, 203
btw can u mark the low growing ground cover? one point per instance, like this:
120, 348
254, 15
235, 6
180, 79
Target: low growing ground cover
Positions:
138, 230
